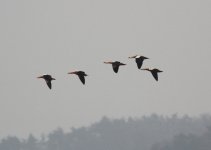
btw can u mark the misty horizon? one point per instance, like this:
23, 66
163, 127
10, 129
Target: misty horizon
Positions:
69, 129
152, 132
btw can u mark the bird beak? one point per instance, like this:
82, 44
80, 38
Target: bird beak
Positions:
123, 64
107, 62
146, 58
70, 72
53, 79
40, 77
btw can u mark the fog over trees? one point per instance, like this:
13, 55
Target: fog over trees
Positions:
147, 133
186, 142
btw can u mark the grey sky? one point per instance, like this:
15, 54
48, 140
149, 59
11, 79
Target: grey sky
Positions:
55, 37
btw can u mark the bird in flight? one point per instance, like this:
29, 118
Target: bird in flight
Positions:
80, 74
115, 65
47, 79
154, 72
139, 60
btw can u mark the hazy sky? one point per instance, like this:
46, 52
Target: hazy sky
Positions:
58, 36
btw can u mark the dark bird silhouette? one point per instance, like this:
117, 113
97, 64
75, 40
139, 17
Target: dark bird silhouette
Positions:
80, 74
47, 79
154, 72
115, 65
139, 60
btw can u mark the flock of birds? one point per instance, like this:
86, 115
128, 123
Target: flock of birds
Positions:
115, 65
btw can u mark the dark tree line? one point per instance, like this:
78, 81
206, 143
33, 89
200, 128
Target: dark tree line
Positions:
151, 132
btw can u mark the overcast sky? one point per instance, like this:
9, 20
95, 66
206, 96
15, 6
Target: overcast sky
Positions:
58, 36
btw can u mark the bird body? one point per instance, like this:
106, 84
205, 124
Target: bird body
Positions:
139, 60
115, 65
47, 79
154, 72
80, 74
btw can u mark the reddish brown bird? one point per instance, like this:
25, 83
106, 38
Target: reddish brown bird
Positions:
139, 60
154, 72
115, 65
80, 74
47, 79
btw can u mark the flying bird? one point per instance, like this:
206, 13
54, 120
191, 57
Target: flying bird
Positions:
115, 65
47, 79
154, 72
80, 74
139, 60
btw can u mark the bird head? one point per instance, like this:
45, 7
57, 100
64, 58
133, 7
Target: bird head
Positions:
144, 57
73, 72
133, 56
41, 77
157, 70
108, 62
122, 64
146, 69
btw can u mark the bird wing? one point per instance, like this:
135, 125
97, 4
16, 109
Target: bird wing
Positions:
82, 78
48, 83
155, 75
115, 67
139, 63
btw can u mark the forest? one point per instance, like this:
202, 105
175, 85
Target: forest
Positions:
154, 132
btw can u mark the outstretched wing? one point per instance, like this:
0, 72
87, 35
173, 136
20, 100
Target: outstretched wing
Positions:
155, 75
82, 78
48, 83
115, 67
139, 62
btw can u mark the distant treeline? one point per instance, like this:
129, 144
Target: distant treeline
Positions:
186, 142
147, 133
